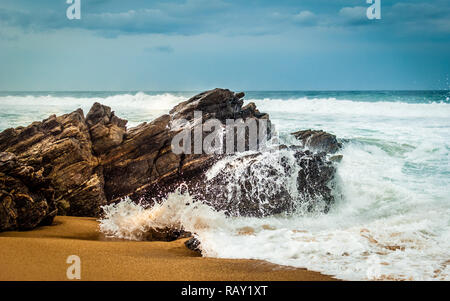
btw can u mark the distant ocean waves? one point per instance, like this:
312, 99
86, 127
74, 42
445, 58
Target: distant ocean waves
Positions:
20, 110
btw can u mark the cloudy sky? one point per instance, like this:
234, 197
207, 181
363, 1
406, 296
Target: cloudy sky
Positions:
238, 44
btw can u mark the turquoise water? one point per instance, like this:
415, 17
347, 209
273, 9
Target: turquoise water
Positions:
393, 184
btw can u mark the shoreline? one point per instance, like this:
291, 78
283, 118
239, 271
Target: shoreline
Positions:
41, 254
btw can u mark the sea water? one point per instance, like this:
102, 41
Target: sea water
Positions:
391, 218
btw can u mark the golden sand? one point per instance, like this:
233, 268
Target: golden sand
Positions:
41, 254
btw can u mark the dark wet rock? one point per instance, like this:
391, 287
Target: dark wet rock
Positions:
318, 141
193, 244
165, 234
259, 184
315, 179
48, 219
264, 187
251, 186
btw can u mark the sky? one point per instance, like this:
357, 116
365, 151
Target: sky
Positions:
191, 45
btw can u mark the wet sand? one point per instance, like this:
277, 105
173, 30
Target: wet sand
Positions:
41, 255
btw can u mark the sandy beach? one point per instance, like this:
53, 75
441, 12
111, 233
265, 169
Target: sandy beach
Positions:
41, 255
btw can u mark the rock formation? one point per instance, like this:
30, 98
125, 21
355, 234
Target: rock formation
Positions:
23, 192
61, 150
76, 164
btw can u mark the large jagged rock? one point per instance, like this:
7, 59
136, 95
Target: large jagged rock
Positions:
60, 148
219, 104
23, 192
92, 161
144, 165
95, 160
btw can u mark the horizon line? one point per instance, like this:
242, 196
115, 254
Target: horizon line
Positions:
202, 90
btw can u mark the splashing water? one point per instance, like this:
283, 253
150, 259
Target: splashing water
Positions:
128, 220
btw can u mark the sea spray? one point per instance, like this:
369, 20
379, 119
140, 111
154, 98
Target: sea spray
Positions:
129, 220
270, 182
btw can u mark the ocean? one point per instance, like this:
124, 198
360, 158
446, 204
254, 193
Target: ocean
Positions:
391, 218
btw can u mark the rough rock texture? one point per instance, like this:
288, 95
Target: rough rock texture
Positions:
315, 178
144, 163
82, 158
193, 244
165, 234
258, 184
107, 130
79, 164
23, 203
318, 141
261, 184
60, 148
219, 104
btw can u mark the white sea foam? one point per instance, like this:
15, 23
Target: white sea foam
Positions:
323, 106
128, 220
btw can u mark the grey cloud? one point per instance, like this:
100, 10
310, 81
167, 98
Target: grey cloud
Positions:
421, 16
192, 17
